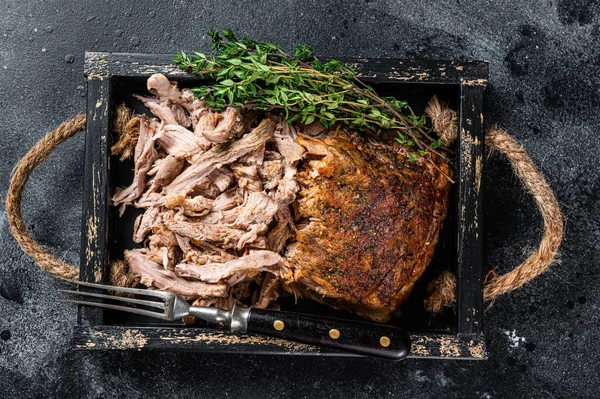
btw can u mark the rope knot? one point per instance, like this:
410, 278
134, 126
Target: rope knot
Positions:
441, 293
443, 120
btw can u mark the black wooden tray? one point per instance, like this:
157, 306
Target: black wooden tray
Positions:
113, 77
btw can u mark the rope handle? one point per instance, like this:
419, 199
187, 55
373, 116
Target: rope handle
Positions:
535, 183
441, 290
35, 156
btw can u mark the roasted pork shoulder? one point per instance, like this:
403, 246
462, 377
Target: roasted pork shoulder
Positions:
373, 223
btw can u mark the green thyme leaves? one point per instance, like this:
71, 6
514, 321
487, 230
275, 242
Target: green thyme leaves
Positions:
263, 76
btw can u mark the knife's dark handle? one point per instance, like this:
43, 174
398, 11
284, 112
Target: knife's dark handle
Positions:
351, 336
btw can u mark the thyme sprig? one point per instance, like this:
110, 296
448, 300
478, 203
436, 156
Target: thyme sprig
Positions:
263, 76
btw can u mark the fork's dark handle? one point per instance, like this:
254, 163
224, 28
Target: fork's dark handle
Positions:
351, 336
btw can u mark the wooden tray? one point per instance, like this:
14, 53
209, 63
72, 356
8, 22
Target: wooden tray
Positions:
113, 77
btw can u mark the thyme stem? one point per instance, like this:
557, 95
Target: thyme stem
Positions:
262, 76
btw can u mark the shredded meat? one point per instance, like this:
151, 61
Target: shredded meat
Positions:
292, 153
144, 156
202, 258
270, 173
159, 108
152, 274
278, 237
164, 171
163, 255
225, 236
269, 292
172, 98
215, 272
199, 205
221, 128
144, 223
178, 141
213, 184
223, 154
163, 89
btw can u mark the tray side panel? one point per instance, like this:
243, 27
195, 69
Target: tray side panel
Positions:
469, 171
442, 346
380, 70
95, 192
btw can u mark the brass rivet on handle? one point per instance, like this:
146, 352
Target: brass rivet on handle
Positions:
333, 333
384, 341
278, 325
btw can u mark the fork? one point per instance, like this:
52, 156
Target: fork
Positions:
357, 337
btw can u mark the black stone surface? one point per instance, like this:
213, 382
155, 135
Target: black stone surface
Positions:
545, 89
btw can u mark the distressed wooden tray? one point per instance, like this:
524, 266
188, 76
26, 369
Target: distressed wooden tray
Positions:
113, 77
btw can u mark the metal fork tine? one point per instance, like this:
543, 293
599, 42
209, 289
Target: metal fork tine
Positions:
154, 304
158, 294
150, 313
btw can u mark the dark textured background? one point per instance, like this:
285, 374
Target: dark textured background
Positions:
544, 88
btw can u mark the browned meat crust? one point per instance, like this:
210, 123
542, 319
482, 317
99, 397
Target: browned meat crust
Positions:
374, 223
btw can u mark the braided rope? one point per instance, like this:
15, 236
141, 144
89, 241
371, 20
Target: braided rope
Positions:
35, 156
442, 289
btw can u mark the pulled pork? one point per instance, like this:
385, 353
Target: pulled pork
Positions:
215, 188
